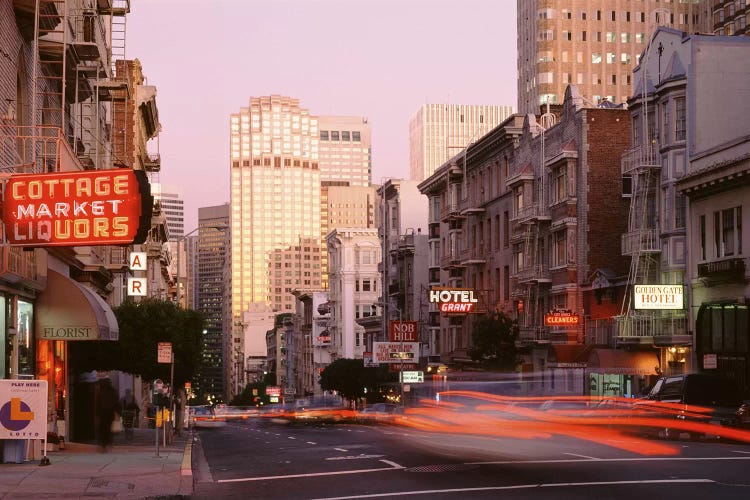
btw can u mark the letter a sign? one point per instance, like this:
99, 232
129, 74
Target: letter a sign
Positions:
138, 261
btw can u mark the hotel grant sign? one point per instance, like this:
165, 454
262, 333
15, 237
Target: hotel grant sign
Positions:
100, 207
453, 300
658, 297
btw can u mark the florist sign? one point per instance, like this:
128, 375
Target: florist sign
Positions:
100, 207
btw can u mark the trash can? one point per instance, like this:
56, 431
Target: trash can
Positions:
13, 451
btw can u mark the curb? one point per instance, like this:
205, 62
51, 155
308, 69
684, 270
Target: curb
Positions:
186, 469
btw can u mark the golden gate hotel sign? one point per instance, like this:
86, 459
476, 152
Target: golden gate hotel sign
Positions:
453, 300
658, 297
95, 207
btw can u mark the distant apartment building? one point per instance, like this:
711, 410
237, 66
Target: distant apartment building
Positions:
593, 44
530, 224
275, 201
211, 299
343, 205
403, 236
689, 169
309, 354
354, 287
438, 132
469, 244
344, 149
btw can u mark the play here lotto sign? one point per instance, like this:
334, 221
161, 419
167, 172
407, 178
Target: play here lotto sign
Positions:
23, 409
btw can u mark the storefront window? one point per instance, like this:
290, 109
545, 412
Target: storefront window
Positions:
25, 327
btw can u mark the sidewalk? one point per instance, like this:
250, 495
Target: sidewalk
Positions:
126, 470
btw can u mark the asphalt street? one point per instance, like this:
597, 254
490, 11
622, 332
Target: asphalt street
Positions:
262, 459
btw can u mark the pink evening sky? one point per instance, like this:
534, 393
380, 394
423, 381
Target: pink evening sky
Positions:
381, 59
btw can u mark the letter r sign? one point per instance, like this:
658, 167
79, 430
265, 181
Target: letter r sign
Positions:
137, 287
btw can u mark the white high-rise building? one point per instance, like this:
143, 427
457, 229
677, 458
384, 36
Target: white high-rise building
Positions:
438, 132
173, 206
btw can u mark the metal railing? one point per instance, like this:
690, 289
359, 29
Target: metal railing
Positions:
643, 156
641, 241
650, 325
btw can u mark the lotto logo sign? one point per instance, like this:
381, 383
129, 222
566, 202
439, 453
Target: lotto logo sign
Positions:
23, 409
403, 331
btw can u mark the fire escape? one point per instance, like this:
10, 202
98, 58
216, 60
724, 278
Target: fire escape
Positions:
62, 122
532, 219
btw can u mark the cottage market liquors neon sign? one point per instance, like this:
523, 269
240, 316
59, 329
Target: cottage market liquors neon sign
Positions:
101, 207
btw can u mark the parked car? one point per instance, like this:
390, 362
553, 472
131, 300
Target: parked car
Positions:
697, 397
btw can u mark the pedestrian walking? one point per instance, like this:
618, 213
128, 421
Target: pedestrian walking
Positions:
106, 407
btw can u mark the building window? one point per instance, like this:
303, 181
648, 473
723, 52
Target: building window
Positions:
679, 211
560, 248
518, 199
728, 232
559, 183
345, 135
506, 229
366, 285
679, 119
596, 58
323, 135
627, 186
334, 135
356, 136
517, 257
506, 283
702, 233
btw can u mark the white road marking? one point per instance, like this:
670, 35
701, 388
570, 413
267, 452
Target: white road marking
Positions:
640, 459
341, 449
311, 474
580, 456
291, 437
311, 442
516, 487
354, 457
740, 451
392, 464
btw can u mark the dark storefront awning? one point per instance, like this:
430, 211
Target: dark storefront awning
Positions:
621, 362
67, 310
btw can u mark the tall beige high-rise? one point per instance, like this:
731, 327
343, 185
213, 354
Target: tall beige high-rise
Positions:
438, 132
344, 150
593, 44
275, 202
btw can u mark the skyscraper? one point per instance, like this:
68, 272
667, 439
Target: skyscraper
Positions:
438, 132
344, 150
593, 44
173, 206
275, 202
211, 283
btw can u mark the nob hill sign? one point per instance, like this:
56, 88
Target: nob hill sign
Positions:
658, 297
96, 207
454, 300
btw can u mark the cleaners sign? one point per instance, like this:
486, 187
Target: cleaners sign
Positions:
658, 297
561, 317
23, 409
99, 207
